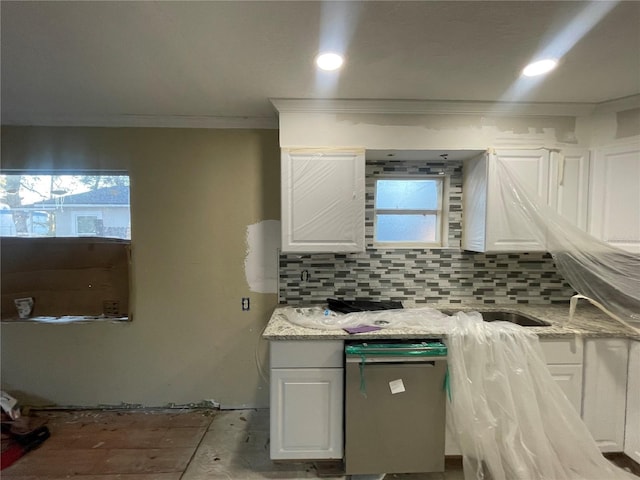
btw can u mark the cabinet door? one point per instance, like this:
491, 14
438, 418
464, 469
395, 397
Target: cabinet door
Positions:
507, 229
569, 379
615, 197
569, 185
632, 430
306, 413
605, 389
323, 200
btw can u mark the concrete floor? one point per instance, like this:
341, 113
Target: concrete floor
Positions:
236, 446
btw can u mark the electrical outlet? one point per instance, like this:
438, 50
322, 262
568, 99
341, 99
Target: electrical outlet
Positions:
110, 308
245, 304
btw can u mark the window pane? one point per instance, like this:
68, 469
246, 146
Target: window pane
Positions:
65, 206
406, 228
87, 225
407, 194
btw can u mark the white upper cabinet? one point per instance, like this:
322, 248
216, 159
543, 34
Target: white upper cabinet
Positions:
569, 185
323, 193
615, 195
493, 224
489, 226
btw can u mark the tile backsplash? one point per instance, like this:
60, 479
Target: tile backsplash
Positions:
446, 275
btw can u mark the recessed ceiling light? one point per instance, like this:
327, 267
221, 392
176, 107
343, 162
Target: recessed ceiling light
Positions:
329, 61
540, 67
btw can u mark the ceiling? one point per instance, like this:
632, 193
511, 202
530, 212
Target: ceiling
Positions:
105, 63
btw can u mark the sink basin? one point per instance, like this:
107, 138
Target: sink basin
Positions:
518, 318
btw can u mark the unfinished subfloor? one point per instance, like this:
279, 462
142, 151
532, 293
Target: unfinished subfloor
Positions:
166, 445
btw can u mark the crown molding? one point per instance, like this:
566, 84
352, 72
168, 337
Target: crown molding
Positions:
618, 105
431, 107
331, 106
157, 121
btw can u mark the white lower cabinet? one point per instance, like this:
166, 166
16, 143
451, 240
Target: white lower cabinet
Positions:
632, 430
605, 391
564, 359
307, 394
307, 384
569, 379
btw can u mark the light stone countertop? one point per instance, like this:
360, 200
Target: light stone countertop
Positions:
588, 321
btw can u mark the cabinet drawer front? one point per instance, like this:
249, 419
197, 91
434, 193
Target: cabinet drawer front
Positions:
307, 354
562, 351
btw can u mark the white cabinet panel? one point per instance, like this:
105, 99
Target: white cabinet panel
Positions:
306, 413
558, 179
569, 185
632, 430
563, 350
489, 224
605, 389
506, 231
307, 354
569, 379
564, 357
615, 196
307, 399
322, 200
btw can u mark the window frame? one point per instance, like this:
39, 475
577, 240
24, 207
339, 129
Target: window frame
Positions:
441, 213
66, 257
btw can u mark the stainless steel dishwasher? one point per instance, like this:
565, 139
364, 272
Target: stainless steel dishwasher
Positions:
395, 407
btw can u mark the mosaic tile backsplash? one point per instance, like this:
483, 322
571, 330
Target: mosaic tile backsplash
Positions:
446, 275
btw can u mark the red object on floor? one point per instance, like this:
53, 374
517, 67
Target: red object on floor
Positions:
18, 445
11, 454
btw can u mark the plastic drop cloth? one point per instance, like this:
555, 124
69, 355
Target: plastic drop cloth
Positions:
322, 318
510, 419
605, 275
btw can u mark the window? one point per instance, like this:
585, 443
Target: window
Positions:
65, 206
409, 212
88, 225
66, 244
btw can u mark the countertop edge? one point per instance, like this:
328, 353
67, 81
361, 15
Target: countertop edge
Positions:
588, 322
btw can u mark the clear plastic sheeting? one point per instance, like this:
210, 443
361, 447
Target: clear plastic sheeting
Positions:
323, 197
511, 420
605, 275
322, 318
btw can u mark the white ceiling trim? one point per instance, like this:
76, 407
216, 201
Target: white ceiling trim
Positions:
158, 121
431, 107
618, 105
291, 105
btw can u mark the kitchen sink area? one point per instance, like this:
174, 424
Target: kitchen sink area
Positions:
517, 318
